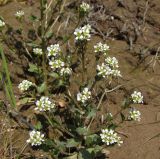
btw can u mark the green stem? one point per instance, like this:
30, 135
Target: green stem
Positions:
82, 51
43, 44
83, 67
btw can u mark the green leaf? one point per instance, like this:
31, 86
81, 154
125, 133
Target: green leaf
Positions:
49, 142
25, 100
95, 149
7, 81
91, 139
60, 145
54, 75
61, 83
92, 113
72, 143
38, 126
82, 131
49, 35
34, 68
49, 145
41, 88
85, 154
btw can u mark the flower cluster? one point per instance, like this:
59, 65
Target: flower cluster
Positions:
36, 138
112, 62
110, 137
25, 85
56, 63
84, 96
19, 14
2, 23
103, 70
116, 73
134, 115
109, 68
83, 33
137, 97
85, 7
44, 104
37, 51
99, 47
65, 71
53, 50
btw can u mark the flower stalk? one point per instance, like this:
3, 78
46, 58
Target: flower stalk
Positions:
43, 43
82, 51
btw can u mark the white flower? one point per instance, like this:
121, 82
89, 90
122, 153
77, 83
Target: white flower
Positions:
37, 51
85, 7
66, 71
44, 104
137, 97
24, 85
84, 96
56, 63
110, 137
83, 33
99, 47
108, 68
103, 70
53, 50
2, 23
112, 62
116, 73
19, 14
134, 115
36, 138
